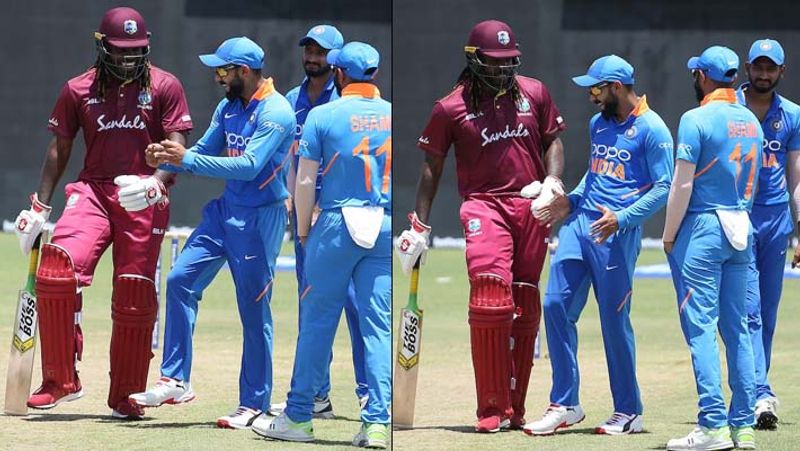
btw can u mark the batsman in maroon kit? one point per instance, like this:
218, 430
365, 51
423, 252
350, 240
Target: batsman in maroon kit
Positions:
504, 128
122, 104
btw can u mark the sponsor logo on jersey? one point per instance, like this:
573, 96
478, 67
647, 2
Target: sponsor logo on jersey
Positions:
274, 125
53, 121
489, 137
157, 231
121, 123
773, 145
610, 152
424, 140
93, 101
684, 147
236, 141
472, 116
665, 146
186, 118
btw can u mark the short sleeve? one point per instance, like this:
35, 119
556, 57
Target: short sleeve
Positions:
437, 136
64, 120
175, 115
550, 121
689, 139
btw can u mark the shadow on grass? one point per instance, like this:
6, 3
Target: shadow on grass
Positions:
58, 417
148, 424
465, 429
315, 443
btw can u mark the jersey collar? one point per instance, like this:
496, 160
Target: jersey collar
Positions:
720, 95
641, 107
366, 90
267, 89
776, 99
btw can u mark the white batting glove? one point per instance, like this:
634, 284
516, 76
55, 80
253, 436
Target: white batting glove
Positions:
138, 193
551, 187
531, 191
29, 223
413, 243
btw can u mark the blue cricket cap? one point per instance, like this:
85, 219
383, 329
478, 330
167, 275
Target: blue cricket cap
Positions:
607, 68
766, 47
358, 60
327, 36
719, 63
240, 51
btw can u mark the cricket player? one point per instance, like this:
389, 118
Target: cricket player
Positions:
318, 89
630, 169
123, 103
352, 137
771, 219
247, 144
708, 241
504, 128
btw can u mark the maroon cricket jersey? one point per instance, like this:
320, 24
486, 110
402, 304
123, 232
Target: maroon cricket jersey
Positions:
498, 148
118, 129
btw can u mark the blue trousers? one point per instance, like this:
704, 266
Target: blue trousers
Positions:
578, 261
351, 314
773, 227
332, 261
249, 239
710, 278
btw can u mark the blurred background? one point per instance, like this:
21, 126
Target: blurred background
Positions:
559, 39
47, 42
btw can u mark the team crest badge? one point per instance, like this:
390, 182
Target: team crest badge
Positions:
503, 38
129, 26
473, 225
631, 132
523, 106
777, 125
145, 97
73, 199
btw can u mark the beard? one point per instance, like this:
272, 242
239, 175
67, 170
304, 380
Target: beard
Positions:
698, 91
761, 90
321, 71
610, 109
235, 89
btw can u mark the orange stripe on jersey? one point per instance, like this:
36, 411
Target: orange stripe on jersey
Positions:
641, 107
267, 89
624, 300
330, 163
264, 291
685, 300
705, 169
275, 172
367, 90
720, 95
636, 191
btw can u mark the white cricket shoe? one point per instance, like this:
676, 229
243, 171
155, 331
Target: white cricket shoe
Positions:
621, 424
323, 409
283, 428
767, 413
703, 439
555, 417
241, 418
166, 391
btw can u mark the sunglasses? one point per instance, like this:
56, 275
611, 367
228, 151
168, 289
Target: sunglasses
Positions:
222, 72
598, 88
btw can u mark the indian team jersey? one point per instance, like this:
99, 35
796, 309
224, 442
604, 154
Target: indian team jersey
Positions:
628, 159
781, 127
352, 136
723, 139
247, 146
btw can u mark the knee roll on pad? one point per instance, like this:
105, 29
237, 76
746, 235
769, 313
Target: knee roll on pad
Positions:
523, 337
56, 288
491, 311
133, 312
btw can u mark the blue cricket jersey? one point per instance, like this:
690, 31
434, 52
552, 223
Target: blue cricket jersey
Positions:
353, 137
781, 127
723, 139
248, 146
630, 167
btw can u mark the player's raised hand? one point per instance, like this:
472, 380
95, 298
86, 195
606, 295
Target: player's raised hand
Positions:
605, 226
29, 223
150, 154
413, 243
171, 152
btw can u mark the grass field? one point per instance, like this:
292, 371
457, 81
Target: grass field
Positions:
86, 424
446, 394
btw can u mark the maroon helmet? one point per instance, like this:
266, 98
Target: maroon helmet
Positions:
493, 39
122, 29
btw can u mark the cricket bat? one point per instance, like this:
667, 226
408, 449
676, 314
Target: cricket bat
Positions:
408, 349
23, 343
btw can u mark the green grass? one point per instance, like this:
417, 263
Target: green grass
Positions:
86, 425
446, 395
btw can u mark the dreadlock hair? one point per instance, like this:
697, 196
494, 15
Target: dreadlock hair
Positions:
474, 87
103, 75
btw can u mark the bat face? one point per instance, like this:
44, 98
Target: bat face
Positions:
25, 322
